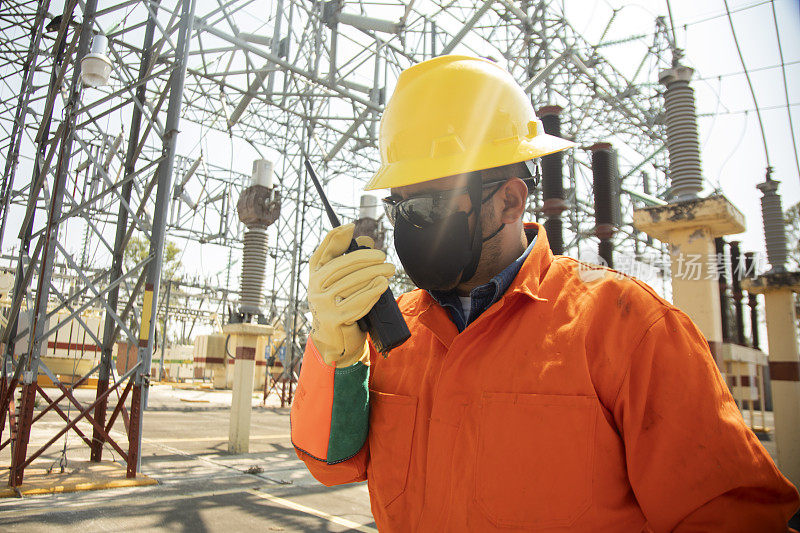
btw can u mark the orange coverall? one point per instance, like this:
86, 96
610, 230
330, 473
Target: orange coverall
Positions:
575, 402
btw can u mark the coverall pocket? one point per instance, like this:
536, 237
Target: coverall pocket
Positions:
391, 430
535, 458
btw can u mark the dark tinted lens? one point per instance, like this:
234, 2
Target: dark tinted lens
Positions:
418, 211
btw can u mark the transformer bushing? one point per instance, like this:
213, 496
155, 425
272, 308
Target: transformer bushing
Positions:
258, 207
774, 231
553, 203
602, 164
368, 223
685, 170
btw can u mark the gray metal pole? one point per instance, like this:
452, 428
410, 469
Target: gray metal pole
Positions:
39, 321
275, 48
110, 325
57, 199
163, 188
164, 331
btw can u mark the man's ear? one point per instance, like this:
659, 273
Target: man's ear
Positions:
514, 197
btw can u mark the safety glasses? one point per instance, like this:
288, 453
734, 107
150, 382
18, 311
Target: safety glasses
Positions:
427, 208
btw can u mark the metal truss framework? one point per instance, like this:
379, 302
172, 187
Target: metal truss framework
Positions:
85, 169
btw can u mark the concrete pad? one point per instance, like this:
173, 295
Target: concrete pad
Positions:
201, 487
77, 476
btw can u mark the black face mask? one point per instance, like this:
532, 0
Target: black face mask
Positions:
435, 256
441, 255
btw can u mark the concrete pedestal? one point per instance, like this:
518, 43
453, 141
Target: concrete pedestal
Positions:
243, 341
689, 227
784, 365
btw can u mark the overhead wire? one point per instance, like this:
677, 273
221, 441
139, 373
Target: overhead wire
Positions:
734, 150
736, 10
757, 69
785, 87
716, 112
746, 111
672, 25
749, 84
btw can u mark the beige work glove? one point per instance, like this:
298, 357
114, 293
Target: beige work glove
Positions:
343, 288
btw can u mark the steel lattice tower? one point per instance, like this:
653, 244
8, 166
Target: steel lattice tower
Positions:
286, 79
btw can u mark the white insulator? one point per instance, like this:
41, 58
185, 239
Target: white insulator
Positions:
262, 173
369, 207
774, 228
254, 264
685, 170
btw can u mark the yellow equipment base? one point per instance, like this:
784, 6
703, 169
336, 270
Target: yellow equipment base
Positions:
77, 476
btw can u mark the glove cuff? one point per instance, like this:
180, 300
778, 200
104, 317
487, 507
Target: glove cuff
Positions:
330, 413
359, 355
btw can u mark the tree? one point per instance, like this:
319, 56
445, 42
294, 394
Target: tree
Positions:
792, 220
138, 248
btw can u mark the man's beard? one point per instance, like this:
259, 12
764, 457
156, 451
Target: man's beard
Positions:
491, 250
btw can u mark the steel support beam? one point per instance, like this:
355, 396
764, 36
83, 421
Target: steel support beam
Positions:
141, 379
30, 362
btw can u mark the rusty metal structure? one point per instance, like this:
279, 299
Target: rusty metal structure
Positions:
87, 168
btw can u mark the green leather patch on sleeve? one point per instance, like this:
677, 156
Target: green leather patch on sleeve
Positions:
350, 413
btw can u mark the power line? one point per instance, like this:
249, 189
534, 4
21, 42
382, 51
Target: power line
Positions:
749, 84
785, 88
672, 26
712, 17
747, 111
739, 73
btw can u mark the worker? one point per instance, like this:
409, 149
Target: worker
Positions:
530, 396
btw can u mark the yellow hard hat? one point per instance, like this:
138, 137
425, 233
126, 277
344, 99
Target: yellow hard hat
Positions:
455, 114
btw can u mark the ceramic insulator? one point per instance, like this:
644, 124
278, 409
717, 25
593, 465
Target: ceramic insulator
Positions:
254, 263
685, 170
774, 230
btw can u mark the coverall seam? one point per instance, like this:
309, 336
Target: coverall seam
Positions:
348, 369
662, 313
315, 352
296, 447
413, 308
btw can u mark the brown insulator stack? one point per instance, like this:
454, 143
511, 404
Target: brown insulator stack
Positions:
686, 173
553, 181
602, 162
719, 245
752, 301
774, 230
737, 271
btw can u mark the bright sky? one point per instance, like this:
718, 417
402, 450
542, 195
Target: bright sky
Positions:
732, 148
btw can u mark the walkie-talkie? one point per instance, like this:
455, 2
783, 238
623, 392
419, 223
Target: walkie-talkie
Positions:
384, 322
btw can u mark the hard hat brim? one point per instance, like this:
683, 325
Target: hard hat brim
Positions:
412, 171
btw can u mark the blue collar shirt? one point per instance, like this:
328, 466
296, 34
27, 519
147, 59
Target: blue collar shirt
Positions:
483, 296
